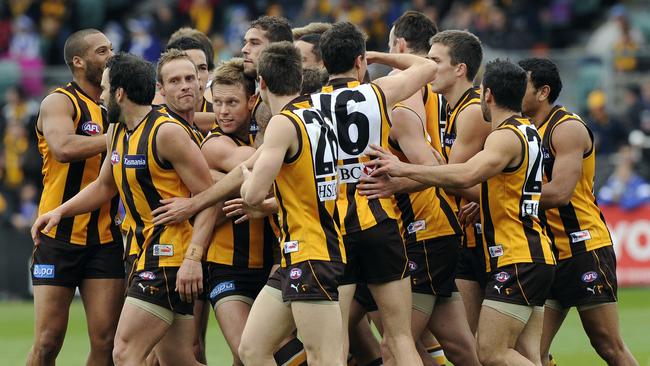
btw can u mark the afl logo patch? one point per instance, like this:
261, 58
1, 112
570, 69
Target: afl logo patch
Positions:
115, 158
91, 128
502, 276
590, 276
295, 273
412, 266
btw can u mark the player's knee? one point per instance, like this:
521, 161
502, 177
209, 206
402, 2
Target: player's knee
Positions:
102, 342
488, 356
609, 347
248, 353
48, 344
120, 351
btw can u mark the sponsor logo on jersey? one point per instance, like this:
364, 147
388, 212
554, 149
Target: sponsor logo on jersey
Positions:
589, 277
496, 251
138, 161
163, 250
147, 275
43, 271
530, 208
502, 276
295, 273
291, 246
351, 173
416, 226
222, 287
115, 157
91, 128
578, 236
327, 191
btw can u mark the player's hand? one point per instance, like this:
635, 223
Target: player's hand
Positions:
468, 214
381, 186
384, 163
173, 211
238, 208
45, 223
372, 56
189, 280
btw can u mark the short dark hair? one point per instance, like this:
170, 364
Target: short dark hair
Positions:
340, 46
313, 27
312, 80
168, 56
507, 82
464, 48
314, 40
231, 72
280, 65
416, 29
277, 28
543, 72
199, 36
76, 45
133, 74
189, 43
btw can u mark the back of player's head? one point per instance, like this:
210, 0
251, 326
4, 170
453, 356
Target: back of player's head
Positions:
280, 66
340, 46
134, 75
416, 29
311, 28
276, 28
314, 40
507, 83
464, 48
189, 43
76, 45
168, 56
231, 72
543, 72
206, 44
312, 80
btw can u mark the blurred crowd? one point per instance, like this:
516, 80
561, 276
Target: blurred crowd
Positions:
32, 34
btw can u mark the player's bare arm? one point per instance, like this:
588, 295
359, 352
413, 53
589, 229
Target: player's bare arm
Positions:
502, 150
471, 131
224, 155
570, 141
178, 209
88, 199
204, 121
237, 208
262, 117
193, 170
281, 139
417, 71
56, 122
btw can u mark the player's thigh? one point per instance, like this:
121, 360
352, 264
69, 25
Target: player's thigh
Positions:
103, 300
51, 311
528, 343
449, 321
232, 314
320, 327
394, 303
139, 329
269, 321
554, 315
472, 295
493, 339
175, 347
601, 323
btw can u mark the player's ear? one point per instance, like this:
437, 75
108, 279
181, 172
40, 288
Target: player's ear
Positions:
160, 89
119, 94
78, 62
251, 102
543, 93
401, 45
262, 83
461, 69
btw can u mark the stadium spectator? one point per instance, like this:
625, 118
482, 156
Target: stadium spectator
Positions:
615, 30
625, 187
632, 107
608, 131
27, 208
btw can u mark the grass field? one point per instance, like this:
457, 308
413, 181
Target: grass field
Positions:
571, 347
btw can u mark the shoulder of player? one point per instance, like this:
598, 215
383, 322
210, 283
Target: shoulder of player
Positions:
169, 131
504, 138
57, 103
568, 133
219, 144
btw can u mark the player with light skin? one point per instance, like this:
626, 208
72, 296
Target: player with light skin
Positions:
86, 54
503, 150
174, 339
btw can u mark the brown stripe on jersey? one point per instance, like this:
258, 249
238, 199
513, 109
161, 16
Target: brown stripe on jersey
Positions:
285, 226
547, 230
72, 187
270, 240
407, 217
128, 195
241, 244
449, 213
488, 225
331, 236
571, 225
351, 220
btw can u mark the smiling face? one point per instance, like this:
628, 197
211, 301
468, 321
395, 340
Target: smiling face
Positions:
232, 108
255, 41
94, 61
180, 85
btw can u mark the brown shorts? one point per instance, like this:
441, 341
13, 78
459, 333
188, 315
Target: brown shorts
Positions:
158, 286
308, 280
224, 281
586, 279
521, 283
375, 255
363, 296
471, 265
58, 263
432, 265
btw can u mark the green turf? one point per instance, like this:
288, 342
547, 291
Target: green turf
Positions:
571, 347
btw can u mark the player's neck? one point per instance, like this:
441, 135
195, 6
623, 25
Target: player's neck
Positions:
499, 115
134, 114
277, 102
454, 93
351, 74
93, 91
540, 115
188, 116
198, 107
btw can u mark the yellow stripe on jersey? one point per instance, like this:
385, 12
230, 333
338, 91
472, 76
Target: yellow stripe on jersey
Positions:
142, 180
305, 189
425, 214
246, 245
579, 226
509, 206
61, 181
472, 234
360, 115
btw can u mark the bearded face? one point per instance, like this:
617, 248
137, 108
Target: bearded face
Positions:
114, 109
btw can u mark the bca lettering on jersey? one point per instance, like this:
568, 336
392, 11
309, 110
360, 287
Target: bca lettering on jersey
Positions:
355, 112
533, 185
324, 151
